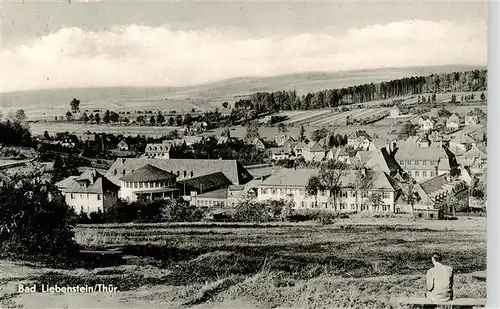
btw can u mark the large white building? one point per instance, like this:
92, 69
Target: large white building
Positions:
148, 182
358, 188
89, 192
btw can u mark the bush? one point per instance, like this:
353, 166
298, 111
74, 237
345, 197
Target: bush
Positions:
320, 215
263, 211
145, 211
34, 218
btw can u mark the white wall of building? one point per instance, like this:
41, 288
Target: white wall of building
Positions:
345, 203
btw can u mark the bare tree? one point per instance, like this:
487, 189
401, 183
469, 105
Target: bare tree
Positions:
329, 179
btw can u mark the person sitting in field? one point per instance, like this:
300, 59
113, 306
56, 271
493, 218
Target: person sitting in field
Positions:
439, 280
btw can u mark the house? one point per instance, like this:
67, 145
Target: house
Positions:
436, 196
471, 120
299, 148
68, 143
313, 152
425, 123
282, 138
394, 112
359, 140
475, 159
453, 122
364, 156
424, 163
424, 141
199, 126
89, 192
148, 182
87, 136
342, 155
358, 190
280, 153
461, 140
123, 146
192, 139
158, 150
257, 142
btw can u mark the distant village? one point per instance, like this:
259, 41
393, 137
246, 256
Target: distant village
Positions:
420, 169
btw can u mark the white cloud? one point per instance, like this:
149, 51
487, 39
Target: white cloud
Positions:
136, 55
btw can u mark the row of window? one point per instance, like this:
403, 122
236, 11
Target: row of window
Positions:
345, 206
424, 173
178, 173
73, 196
343, 193
417, 162
210, 203
151, 184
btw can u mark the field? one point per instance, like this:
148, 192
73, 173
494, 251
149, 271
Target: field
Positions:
45, 104
361, 262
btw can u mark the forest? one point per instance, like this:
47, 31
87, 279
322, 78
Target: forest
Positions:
264, 102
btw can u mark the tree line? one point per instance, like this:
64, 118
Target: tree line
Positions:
264, 102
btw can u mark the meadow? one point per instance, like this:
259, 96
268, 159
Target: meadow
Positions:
360, 262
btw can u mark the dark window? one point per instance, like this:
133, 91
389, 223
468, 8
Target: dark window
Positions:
420, 215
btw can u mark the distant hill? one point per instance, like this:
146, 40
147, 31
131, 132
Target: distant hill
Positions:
47, 103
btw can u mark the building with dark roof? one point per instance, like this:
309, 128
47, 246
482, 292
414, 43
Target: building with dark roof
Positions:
160, 178
89, 192
437, 196
357, 189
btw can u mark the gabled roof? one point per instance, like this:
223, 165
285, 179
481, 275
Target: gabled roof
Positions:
407, 151
158, 147
206, 183
300, 145
315, 147
148, 173
475, 153
90, 182
434, 184
66, 182
461, 137
365, 156
341, 152
216, 194
192, 139
382, 161
288, 177
100, 186
357, 134
233, 170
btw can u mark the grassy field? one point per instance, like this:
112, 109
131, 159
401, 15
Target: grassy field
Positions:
361, 262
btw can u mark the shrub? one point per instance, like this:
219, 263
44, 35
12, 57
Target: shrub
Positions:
252, 211
34, 218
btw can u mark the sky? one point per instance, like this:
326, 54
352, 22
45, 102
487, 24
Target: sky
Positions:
92, 43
